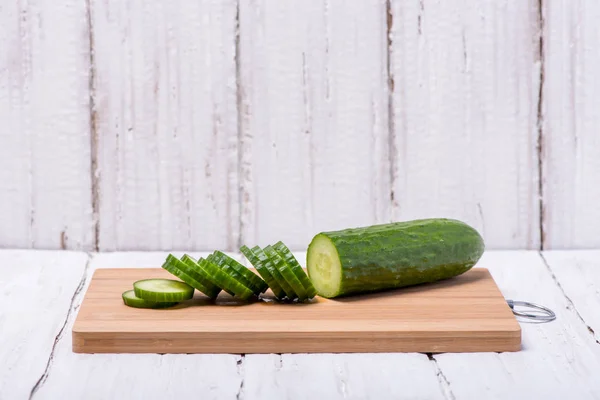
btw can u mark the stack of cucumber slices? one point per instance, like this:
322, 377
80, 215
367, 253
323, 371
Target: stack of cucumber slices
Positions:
275, 264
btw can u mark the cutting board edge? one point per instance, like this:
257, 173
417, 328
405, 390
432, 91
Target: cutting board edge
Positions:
88, 344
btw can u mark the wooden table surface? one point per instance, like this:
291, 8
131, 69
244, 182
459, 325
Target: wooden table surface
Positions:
40, 294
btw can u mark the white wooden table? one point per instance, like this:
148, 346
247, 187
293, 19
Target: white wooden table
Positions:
40, 294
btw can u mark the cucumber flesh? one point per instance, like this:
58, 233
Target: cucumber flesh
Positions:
389, 256
267, 262
325, 267
263, 271
289, 258
192, 268
163, 290
131, 300
248, 278
183, 272
223, 278
287, 273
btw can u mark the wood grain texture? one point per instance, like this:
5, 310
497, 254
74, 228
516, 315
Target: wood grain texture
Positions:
578, 274
571, 124
36, 289
45, 185
166, 123
466, 79
559, 359
127, 376
340, 376
313, 117
466, 313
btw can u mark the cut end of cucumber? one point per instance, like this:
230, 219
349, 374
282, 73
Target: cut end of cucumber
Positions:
324, 267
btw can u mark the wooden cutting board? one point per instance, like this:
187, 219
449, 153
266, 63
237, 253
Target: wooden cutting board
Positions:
464, 314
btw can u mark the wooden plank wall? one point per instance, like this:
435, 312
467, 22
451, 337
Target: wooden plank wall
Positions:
207, 124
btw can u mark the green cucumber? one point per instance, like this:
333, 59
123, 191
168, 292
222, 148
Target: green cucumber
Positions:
286, 271
230, 271
223, 278
162, 290
289, 258
188, 275
262, 269
388, 256
193, 269
131, 300
266, 260
248, 277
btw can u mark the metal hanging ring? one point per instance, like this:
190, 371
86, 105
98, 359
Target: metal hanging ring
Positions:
543, 313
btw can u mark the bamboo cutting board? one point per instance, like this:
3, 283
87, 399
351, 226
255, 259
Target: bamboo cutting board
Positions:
464, 314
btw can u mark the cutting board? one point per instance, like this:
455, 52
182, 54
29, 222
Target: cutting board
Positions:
464, 314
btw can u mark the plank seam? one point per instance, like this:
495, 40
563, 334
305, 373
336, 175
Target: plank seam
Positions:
570, 304
95, 181
443, 381
240, 371
42, 379
240, 132
392, 154
540, 126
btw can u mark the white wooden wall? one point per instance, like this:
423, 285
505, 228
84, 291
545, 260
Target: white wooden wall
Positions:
205, 124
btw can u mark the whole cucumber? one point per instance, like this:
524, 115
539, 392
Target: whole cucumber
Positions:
394, 255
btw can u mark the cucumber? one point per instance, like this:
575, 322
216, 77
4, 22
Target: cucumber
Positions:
289, 258
248, 277
266, 261
188, 275
211, 259
287, 273
223, 278
263, 271
229, 271
131, 300
193, 269
388, 256
162, 290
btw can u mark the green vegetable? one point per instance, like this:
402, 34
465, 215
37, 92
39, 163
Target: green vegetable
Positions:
290, 260
260, 267
163, 290
225, 278
190, 276
268, 263
199, 275
387, 256
248, 278
131, 300
286, 271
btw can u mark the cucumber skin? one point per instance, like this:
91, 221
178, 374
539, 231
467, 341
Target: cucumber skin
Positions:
263, 271
289, 258
402, 254
248, 278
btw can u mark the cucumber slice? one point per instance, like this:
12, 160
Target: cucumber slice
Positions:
285, 287
289, 258
263, 271
131, 300
230, 271
227, 290
249, 278
192, 269
223, 278
286, 272
187, 275
163, 290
